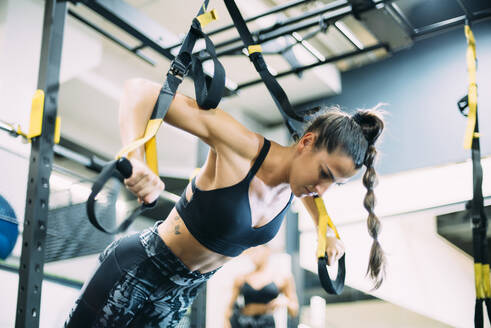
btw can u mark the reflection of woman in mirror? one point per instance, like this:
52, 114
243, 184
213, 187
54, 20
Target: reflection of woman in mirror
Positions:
263, 291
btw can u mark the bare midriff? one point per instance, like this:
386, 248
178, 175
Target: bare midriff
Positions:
190, 251
252, 309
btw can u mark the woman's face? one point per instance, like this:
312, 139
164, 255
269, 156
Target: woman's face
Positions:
313, 171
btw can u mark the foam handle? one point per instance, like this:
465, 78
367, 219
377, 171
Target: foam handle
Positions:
124, 167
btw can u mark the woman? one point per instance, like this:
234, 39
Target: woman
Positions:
260, 289
237, 201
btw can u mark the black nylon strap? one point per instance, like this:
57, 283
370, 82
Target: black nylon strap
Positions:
110, 170
208, 97
478, 216
167, 92
279, 96
332, 287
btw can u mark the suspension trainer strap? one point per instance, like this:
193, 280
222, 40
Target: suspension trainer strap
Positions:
292, 120
477, 214
208, 96
472, 95
332, 287
293, 123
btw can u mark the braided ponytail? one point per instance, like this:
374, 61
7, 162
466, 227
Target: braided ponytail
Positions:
372, 126
356, 136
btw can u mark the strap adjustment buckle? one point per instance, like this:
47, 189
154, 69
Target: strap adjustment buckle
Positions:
178, 69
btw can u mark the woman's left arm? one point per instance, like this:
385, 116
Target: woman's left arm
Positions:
291, 295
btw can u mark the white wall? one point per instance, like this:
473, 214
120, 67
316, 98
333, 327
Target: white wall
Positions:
425, 273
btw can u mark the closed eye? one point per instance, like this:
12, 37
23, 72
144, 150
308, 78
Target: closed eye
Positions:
326, 175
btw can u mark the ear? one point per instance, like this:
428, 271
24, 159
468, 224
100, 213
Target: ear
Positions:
307, 141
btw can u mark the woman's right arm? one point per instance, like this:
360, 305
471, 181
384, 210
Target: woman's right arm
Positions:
214, 126
218, 129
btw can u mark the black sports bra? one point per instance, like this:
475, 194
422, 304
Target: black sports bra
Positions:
220, 219
264, 295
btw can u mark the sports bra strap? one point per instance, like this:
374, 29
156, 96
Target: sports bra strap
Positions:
193, 184
259, 160
255, 167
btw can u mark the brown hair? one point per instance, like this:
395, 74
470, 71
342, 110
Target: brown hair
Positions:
356, 135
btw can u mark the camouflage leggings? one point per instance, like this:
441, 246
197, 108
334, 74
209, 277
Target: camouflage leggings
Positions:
139, 283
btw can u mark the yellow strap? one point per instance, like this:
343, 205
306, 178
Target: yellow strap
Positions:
207, 17
57, 130
472, 95
151, 155
485, 281
478, 280
36, 120
150, 149
254, 48
324, 221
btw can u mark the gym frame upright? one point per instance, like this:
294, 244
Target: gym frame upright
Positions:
40, 166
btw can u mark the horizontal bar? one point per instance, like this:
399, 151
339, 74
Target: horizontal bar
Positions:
112, 38
328, 60
274, 10
96, 163
132, 22
449, 23
329, 7
287, 30
135, 23
4, 126
46, 276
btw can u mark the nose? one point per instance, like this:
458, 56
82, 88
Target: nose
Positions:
320, 188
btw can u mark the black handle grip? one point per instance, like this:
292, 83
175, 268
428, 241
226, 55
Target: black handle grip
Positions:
331, 287
122, 165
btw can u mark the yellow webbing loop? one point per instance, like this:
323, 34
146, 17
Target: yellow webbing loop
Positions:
324, 221
478, 268
36, 120
151, 155
57, 130
150, 149
472, 95
485, 281
207, 17
254, 48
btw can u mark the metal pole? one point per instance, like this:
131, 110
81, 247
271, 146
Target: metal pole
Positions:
274, 10
40, 164
339, 4
423, 32
112, 38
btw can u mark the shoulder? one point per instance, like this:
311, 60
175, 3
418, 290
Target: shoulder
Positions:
239, 280
285, 281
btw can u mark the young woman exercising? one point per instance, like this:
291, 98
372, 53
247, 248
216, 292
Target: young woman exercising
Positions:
237, 201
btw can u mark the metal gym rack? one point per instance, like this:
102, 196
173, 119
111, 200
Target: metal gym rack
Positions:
149, 34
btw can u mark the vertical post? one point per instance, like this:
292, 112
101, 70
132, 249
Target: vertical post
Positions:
198, 309
40, 164
293, 248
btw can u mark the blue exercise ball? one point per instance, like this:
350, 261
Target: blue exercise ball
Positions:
9, 228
